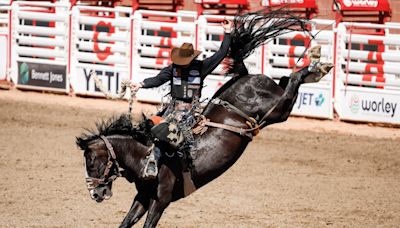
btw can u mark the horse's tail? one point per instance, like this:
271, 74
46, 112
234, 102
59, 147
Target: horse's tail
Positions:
253, 29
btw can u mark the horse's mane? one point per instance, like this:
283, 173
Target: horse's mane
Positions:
117, 125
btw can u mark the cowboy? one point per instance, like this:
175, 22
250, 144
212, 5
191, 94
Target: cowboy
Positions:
186, 75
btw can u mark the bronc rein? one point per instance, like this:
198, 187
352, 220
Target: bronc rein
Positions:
92, 182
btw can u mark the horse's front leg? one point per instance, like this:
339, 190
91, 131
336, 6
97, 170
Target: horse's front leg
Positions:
138, 209
156, 209
164, 197
288, 99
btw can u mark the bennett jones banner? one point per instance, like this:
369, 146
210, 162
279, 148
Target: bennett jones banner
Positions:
42, 75
3, 57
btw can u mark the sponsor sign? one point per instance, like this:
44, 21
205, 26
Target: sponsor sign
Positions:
242, 2
295, 3
314, 102
371, 107
278, 2
360, 3
42, 75
375, 5
84, 83
102, 54
3, 57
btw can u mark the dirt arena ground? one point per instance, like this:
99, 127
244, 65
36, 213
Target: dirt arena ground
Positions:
301, 173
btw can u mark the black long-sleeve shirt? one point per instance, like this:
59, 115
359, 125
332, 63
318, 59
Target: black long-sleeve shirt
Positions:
209, 64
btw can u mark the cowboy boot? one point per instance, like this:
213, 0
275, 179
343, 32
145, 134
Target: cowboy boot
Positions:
151, 168
316, 69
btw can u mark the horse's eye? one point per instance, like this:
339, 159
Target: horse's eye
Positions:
91, 167
241, 97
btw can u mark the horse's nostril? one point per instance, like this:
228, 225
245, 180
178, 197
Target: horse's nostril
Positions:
95, 196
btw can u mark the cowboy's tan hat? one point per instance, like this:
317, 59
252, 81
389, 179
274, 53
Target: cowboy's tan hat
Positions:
184, 55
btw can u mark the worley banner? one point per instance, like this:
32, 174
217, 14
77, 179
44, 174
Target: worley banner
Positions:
371, 107
3, 57
42, 76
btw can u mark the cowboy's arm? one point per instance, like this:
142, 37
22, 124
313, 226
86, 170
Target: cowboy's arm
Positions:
210, 63
159, 79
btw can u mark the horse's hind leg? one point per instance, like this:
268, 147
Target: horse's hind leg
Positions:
138, 209
291, 86
283, 82
288, 99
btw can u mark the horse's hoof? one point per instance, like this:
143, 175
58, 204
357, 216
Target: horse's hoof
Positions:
325, 68
322, 70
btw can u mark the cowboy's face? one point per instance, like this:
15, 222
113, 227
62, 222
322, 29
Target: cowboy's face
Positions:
185, 66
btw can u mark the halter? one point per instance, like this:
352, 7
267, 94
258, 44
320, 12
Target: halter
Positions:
92, 182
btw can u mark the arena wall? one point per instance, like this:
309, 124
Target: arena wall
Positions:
54, 46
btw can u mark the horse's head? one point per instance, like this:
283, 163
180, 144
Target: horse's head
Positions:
100, 160
101, 168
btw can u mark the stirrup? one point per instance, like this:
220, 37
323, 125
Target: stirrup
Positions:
151, 162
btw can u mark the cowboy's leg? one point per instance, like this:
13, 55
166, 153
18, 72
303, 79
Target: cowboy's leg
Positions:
188, 146
165, 132
138, 209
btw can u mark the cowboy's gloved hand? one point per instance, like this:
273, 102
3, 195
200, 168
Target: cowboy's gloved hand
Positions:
227, 25
136, 86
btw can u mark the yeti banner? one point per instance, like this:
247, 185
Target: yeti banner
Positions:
48, 76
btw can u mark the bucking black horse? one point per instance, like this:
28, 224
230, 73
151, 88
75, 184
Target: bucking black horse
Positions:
242, 107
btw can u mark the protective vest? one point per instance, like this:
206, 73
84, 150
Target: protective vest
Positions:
187, 82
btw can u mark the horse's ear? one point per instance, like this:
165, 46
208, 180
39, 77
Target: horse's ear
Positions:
81, 143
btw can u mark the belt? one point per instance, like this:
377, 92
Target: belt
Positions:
182, 106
